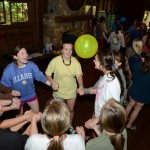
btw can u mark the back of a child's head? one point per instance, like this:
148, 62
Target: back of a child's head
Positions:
102, 19
106, 59
119, 57
55, 122
137, 46
118, 28
112, 120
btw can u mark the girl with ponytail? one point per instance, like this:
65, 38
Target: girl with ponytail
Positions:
55, 122
113, 135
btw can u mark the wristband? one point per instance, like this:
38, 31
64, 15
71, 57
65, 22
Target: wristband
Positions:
80, 84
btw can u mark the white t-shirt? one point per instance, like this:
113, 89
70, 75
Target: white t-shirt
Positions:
41, 142
107, 88
116, 41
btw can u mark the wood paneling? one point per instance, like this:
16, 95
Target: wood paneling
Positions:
3, 42
12, 36
137, 140
27, 38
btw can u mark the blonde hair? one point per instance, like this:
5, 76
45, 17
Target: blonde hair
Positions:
55, 122
112, 120
137, 46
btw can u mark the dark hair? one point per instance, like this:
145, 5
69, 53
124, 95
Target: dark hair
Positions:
146, 63
106, 58
124, 66
102, 19
67, 42
118, 27
138, 24
112, 120
16, 51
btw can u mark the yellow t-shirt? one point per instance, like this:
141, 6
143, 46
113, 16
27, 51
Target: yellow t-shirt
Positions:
65, 76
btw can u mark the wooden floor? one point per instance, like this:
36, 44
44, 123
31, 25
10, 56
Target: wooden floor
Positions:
137, 140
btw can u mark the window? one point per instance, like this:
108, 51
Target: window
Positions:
13, 12
2, 12
90, 9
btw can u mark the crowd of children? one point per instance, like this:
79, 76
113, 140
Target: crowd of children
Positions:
124, 76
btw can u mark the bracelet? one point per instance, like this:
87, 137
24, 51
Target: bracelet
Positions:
81, 84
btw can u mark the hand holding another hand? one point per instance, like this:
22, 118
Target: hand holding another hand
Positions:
91, 123
80, 131
92, 91
15, 103
55, 86
80, 90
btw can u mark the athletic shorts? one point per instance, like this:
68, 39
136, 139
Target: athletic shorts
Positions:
28, 100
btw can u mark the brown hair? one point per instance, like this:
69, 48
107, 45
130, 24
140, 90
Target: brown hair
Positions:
124, 65
107, 60
112, 120
16, 51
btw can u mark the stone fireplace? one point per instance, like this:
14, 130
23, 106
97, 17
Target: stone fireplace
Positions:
60, 18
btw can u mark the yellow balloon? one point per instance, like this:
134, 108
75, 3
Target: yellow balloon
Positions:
86, 46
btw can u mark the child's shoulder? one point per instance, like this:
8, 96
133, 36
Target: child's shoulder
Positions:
56, 58
31, 63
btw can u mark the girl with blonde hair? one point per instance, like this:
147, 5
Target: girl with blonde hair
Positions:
134, 56
55, 122
112, 122
138, 91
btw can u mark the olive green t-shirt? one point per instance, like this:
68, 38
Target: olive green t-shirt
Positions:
103, 142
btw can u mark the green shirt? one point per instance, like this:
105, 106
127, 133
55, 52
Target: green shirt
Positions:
103, 142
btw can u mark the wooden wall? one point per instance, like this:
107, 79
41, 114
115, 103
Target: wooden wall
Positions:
31, 34
131, 9
10, 36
